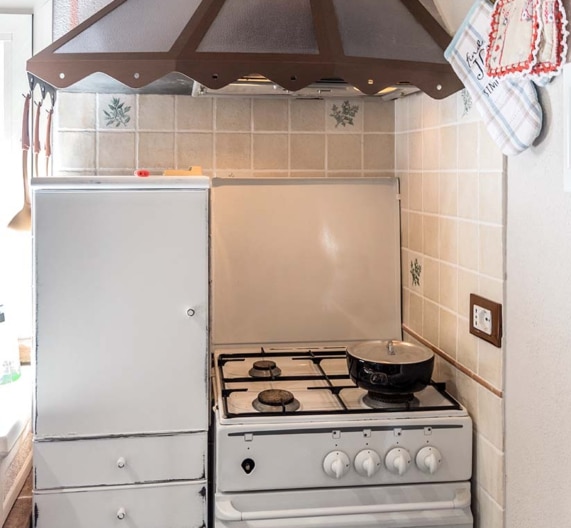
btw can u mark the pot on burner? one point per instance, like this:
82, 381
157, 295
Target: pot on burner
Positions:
390, 369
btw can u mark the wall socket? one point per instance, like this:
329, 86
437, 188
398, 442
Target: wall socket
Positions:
486, 319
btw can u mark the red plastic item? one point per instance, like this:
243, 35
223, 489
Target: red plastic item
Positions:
142, 173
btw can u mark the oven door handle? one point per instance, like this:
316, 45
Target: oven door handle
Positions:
226, 511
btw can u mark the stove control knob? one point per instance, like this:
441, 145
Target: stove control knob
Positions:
367, 463
336, 464
248, 465
398, 461
428, 459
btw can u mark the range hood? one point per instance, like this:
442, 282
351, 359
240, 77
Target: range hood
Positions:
267, 47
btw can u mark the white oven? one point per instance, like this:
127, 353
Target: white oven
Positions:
300, 270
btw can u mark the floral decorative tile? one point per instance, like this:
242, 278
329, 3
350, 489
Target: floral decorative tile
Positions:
344, 115
116, 112
415, 272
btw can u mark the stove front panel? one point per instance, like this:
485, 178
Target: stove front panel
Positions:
310, 454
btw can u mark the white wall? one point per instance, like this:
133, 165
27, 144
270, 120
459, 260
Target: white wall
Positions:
538, 363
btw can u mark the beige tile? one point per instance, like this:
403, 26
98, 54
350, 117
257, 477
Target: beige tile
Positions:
467, 284
491, 251
74, 111
448, 332
194, 113
406, 307
344, 116
449, 148
467, 393
307, 151
401, 115
490, 361
232, 114
448, 109
401, 152
468, 244
116, 111
156, 150
307, 174
430, 279
194, 148
468, 195
430, 229
491, 157
449, 193
345, 174
74, 150
488, 513
271, 173
467, 353
344, 151
449, 286
468, 146
448, 240
403, 177
232, 151
404, 267
430, 322
415, 190
307, 115
491, 197
270, 151
270, 114
378, 151
430, 192
490, 417
414, 111
430, 149
415, 151
156, 112
415, 270
117, 151
415, 232
379, 116
415, 315
490, 469
430, 112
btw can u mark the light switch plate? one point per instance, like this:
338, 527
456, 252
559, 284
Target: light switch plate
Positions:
486, 319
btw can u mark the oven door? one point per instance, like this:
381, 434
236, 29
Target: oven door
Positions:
414, 506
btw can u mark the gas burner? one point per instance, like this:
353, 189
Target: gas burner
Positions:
264, 369
275, 400
377, 400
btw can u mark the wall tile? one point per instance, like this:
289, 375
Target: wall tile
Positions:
271, 151
491, 251
156, 150
468, 195
449, 286
449, 148
415, 151
467, 393
345, 116
430, 192
467, 352
430, 229
232, 114
114, 111
232, 151
415, 232
401, 152
415, 312
74, 150
379, 116
194, 113
430, 112
448, 193
431, 279
490, 360
468, 146
491, 157
194, 148
156, 112
468, 244
75, 111
448, 233
414, 115
401, 114
448, 109
448, 332
343, 151
270, 114
430, 322
430, 149
490, 463
307, 174
404, 230
307, 151
488, 514
378, 152
403, 177
415, 191
117, 151
467, 284
307, 115
490, 415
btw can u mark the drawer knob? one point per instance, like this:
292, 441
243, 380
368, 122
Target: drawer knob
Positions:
121, 514
121, 463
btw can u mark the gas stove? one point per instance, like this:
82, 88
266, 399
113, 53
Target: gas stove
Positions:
283, 384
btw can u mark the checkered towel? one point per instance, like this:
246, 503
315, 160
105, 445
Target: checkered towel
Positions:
510, 108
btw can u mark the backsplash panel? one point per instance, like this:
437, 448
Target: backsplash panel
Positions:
103, 134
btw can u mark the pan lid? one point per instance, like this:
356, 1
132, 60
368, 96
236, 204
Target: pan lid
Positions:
389, 351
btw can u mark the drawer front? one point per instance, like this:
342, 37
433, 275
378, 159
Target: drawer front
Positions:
160, 506
117, 461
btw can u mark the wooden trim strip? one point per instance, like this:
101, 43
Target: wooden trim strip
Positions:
478, 379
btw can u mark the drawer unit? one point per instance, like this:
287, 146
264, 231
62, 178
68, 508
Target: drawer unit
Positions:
115, 461
179, 505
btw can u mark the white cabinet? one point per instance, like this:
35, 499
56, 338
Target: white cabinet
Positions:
121, 296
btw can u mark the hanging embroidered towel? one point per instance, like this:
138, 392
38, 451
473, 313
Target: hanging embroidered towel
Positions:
528, 38
510, 109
